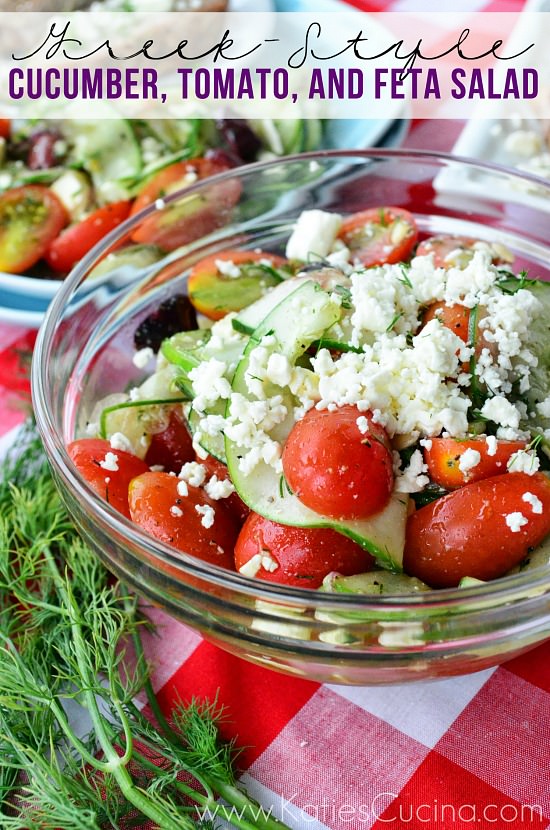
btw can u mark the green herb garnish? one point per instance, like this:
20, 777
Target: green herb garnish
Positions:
65, 625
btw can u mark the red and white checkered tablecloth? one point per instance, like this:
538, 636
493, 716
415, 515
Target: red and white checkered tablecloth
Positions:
471, 751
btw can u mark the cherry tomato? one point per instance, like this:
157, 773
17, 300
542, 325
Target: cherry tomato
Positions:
215, 293
191, 217
459, 319
65, 251
30, 218
108, 471
297, 556
158, 507
444, 456
234, 501
481, 530
339, 463
455, 251
455, 317
380, 235
172, 447
5, 127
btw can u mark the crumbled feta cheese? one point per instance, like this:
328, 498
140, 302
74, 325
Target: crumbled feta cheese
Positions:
182, 488
207, 513
313, 235
227, 268
427, 443
469, 459
362, 424
219, 489
119, 441
268, 562
176, 511
534, 501
209, 383
516, 521
252, 567
109, 462
193, 473
543, 408
142, 357
523, 461
492, 443
413, 479
500, 410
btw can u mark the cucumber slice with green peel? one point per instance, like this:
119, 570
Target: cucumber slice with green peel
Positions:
282, 136
107, 148
177, 133
374, 583
130, 258
298, 321
313, 134
185, 349
250, 318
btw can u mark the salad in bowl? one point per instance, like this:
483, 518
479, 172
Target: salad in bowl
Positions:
320, 433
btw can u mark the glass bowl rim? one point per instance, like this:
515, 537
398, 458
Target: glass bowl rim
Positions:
499, 591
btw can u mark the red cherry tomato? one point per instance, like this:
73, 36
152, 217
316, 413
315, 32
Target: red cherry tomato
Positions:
451, 251
216, 468
158, 507
172, 447
30, 218
474, 532
215, 294
65, 251
108, 471
339, 463
380, 235
297, 556
455, 317
5, 127
191, 217
444, 456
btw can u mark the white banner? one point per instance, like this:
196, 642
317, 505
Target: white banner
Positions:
274, 65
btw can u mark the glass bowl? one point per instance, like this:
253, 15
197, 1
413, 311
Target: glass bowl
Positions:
84, 352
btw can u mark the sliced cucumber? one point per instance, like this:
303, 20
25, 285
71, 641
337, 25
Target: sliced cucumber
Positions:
250, 317
299, 320
176, 133
282, 137
130, 258
186, 349
108, 149
374, 583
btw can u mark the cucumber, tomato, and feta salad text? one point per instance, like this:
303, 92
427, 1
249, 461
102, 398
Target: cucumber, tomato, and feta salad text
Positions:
362, 406
65, 184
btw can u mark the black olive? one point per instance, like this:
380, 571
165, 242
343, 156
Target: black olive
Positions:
173, 315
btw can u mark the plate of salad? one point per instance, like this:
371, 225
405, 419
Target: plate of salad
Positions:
64, 185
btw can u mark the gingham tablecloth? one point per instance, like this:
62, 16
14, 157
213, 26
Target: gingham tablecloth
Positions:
470, 751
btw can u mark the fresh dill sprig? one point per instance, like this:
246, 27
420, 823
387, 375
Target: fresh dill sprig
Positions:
65, 627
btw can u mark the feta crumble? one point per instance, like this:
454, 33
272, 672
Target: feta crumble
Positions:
469, 459
218, 489
534, 501
192, 473
515, 521
207, 513
523, 461
142, 357
110, 462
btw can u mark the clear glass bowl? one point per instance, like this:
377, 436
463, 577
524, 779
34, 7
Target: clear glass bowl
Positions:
84, 352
